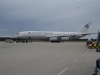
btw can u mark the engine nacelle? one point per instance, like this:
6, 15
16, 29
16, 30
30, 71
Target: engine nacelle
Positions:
53, 39
65, 38
59, 39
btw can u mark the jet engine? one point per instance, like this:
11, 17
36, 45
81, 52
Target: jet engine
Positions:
55, 39
65, 38
59, 39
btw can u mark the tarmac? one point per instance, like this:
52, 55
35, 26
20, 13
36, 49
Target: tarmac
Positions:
45, 58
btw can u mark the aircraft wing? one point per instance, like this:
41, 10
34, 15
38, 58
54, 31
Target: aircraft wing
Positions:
74, 35
55, 36
60, 36
88, 33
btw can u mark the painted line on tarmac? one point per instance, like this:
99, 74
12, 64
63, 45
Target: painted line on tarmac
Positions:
81, 56
63, 71
84, 52
75, 61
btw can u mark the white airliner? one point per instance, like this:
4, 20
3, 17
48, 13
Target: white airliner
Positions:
54, 36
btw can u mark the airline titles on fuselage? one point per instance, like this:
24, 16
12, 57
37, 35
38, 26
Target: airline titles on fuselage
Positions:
41, 33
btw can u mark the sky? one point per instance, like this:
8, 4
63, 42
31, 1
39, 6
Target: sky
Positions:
48, 15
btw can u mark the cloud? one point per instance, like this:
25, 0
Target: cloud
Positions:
3, 29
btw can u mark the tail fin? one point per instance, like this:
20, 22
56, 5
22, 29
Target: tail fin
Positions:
84, 28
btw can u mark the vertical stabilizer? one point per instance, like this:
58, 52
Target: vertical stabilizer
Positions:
84, 28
